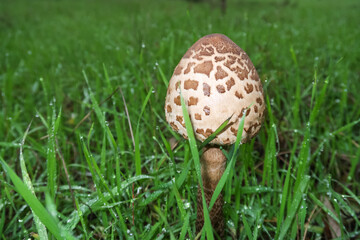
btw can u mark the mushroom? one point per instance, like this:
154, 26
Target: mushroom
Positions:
218, 82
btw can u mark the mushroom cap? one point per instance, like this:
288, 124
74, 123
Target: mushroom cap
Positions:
217, 81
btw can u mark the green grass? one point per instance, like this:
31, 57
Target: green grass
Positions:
118, 176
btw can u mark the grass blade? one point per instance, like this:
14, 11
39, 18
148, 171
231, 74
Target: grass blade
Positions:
39, 225
294, 206
51, 154
323, 207
185, 227
195, 154
163, 218
230, 166
214, 134
285, 194
137, 134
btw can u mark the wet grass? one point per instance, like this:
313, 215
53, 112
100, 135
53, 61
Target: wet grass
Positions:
118, 173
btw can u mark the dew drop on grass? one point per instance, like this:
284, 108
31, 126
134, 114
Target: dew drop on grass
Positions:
272, 101
143, 45
230, 224
186, 204
153, 91
329, 194
20, 220
138, 190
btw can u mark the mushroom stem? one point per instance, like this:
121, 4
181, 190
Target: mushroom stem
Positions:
213, 163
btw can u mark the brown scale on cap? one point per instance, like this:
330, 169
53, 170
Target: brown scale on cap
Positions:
220, 73
206, 110
197, 116
249, 88
178, 70
220, 88
230, 83
205, 133
188, 68
206, 89
204, 68
193, 101
191, 84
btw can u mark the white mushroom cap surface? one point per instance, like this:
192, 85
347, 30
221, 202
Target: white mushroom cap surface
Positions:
217, 80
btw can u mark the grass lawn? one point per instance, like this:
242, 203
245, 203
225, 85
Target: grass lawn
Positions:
86, 152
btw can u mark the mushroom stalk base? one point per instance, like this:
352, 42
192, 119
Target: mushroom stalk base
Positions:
213, 163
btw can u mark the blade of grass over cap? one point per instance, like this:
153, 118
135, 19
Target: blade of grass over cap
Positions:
214, 134
230, 165
195, 154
